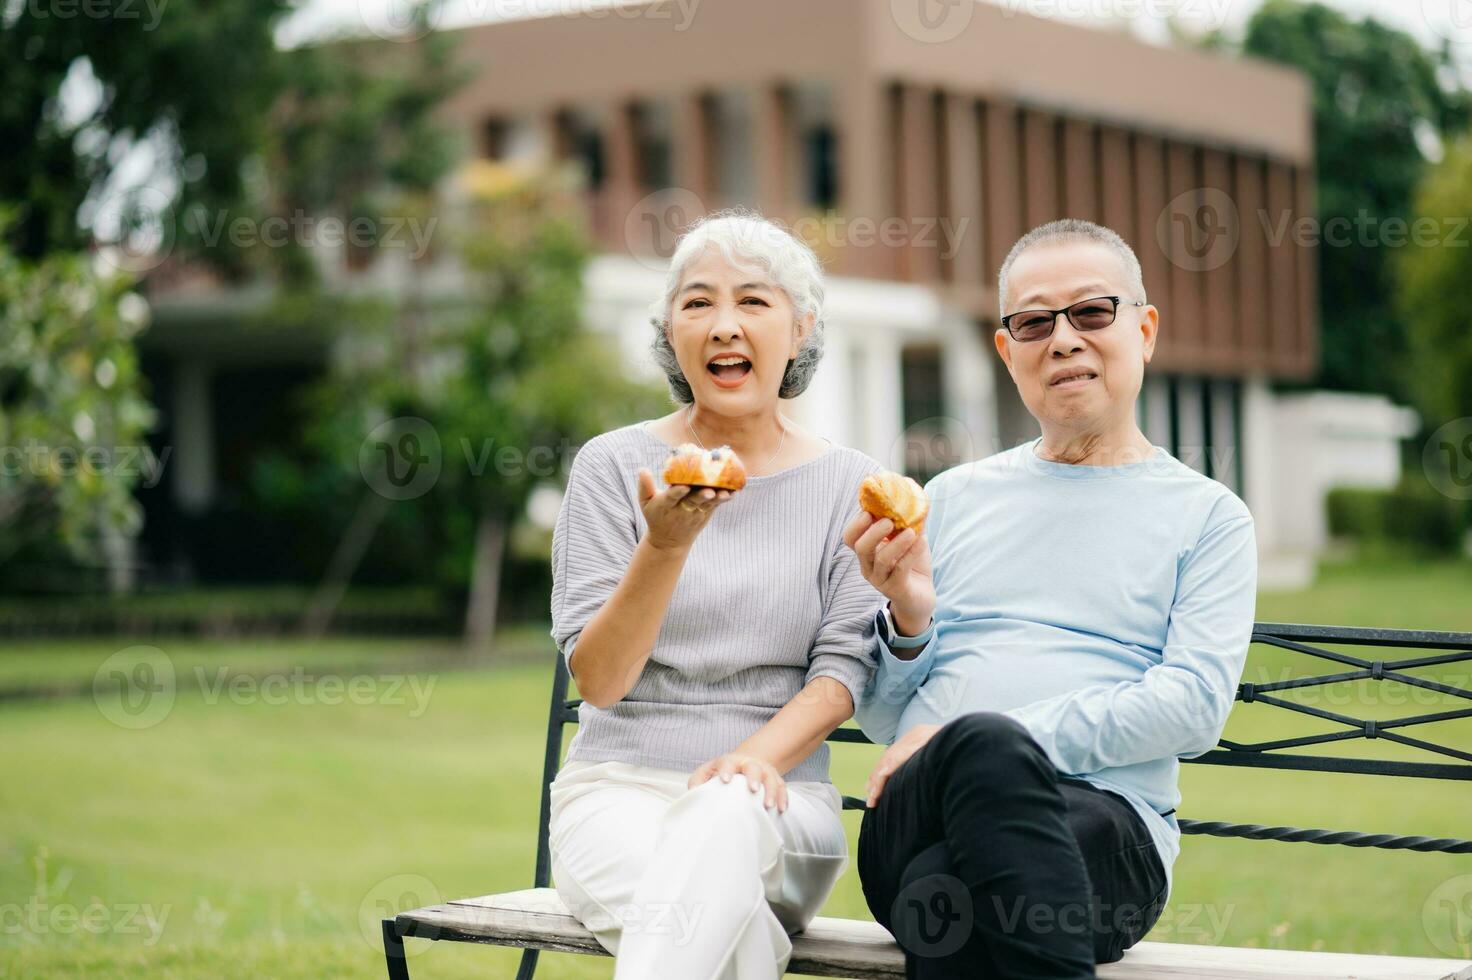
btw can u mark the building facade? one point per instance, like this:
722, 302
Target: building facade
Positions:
911, 153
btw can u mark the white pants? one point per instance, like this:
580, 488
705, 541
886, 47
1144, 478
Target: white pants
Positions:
702, 884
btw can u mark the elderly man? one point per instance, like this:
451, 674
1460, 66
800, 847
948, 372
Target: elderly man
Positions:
1073, 620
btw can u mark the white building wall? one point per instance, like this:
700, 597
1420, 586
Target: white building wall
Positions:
1300, 446
1224, 449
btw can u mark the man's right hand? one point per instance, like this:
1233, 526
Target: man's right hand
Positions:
898, 566
895, 756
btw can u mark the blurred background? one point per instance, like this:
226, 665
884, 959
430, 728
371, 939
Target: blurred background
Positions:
305, 308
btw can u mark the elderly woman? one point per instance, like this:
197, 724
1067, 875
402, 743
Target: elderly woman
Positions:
716, 638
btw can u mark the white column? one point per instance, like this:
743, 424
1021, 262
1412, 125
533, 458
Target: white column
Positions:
1223, 434
1258, 451
824, 407
970, 388
1157, 410
882, 408
1191, 439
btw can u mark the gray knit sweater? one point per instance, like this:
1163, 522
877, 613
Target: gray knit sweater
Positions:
769, 598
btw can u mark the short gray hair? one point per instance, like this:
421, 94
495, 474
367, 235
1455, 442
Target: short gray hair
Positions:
1077, 230
745, 237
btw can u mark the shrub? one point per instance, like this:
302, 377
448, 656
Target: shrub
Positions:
1412, 514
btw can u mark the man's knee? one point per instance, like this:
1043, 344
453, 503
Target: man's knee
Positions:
931, 914
992, 742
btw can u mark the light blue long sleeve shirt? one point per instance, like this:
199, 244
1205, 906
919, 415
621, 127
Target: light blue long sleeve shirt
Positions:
1107, 608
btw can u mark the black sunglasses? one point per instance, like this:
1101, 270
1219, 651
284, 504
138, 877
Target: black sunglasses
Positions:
1085, 315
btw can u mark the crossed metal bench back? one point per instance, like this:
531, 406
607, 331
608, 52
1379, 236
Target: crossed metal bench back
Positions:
1259, 755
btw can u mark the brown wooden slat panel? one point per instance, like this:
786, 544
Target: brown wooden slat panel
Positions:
964, 174
1283, 336
1042, 192
1149, 186
865, 159
917, 184
1221, 344
620, 186
694, 145
1080, 171
1117, 193
1185, 284
1003, 187
774, 150
1254, 312
1308, 278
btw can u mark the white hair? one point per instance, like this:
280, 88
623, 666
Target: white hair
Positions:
746, 238
1074, 229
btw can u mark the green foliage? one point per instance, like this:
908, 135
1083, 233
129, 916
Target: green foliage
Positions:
1413, 515
72, 409
355, 136
1376, 95
1431, 283
504, 373
199, 74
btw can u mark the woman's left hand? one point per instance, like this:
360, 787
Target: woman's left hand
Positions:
759, 774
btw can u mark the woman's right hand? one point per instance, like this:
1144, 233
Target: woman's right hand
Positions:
676, 514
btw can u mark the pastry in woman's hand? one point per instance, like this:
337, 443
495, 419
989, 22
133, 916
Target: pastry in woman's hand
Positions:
719, 468
897, 497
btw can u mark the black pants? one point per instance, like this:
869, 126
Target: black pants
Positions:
983, 861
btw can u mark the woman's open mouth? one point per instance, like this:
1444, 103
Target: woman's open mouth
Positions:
729, 370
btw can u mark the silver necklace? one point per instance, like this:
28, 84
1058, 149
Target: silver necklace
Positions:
780, 441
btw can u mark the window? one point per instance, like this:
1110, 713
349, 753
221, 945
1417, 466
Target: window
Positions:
652, 151
493, 135
735, 166
929, 447
820, 166
579, 140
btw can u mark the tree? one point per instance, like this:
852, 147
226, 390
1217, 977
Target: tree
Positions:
80, 84
1378, 97
196, 78
354, 136
72, 410
1430, 296
491, 391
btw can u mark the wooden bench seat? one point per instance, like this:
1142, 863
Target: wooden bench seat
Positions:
536, 918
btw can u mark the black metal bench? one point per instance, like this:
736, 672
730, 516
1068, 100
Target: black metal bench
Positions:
535, 919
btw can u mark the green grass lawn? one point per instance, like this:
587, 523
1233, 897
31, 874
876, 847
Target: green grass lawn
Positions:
247, 837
